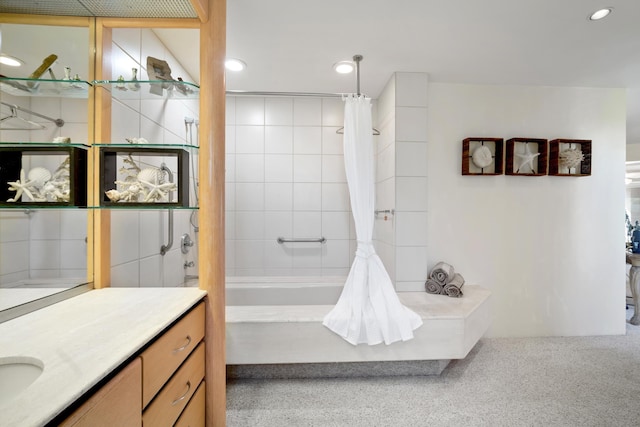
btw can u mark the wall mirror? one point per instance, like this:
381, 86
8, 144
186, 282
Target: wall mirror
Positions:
43, 251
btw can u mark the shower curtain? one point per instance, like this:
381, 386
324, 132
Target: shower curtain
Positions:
368, 310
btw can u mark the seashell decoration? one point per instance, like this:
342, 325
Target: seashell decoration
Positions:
141, 185
482, 156
136, 140
152, 176
38, 176
571, 158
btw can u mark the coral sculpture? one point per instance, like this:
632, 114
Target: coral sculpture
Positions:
40, 185
571, 158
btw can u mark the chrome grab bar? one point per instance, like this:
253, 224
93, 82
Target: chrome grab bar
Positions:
165, 248
282, 240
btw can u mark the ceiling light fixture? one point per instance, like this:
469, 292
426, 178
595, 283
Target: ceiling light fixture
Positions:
11, 61
343, 67
233, 64
599, 14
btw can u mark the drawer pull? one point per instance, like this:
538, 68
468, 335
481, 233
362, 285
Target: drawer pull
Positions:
184, 395
179, 349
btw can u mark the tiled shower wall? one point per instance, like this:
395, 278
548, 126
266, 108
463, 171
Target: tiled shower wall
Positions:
137, 235
285, 178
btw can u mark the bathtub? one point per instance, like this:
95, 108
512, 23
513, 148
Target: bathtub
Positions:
279, 321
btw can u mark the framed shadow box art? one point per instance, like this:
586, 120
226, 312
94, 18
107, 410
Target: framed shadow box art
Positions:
482, 156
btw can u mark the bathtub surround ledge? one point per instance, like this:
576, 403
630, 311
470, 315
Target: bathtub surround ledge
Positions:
282, 334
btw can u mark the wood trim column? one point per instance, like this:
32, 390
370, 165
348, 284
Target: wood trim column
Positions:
211, 215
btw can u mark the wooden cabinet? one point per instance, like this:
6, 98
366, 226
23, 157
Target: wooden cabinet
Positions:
161, 386
116, 404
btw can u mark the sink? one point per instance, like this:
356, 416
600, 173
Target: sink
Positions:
16, 375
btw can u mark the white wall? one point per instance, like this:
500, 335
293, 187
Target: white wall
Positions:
549, 248
285, 178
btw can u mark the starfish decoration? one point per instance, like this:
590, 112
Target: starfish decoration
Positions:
21, 186
158, 191
526, 158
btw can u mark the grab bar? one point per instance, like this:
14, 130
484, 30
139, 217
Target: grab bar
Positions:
282, 240
165, 248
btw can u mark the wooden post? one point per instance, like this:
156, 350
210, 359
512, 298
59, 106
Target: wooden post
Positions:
211, 213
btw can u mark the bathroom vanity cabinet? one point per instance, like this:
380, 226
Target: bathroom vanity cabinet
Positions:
165, 378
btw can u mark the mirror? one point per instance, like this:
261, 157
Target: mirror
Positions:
43, 252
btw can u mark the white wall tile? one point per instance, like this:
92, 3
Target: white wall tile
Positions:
249, 111
386, 164
229, 225
172, 269
14, 257
45, 224
153, 229
307, 256
411, 263
44, 254
307, 224
249, 254
278, 224
250, 139
279, 111
278, 168
307, 168
411, 89
384, 231
128, 39
333, 169
336, 254
278, 197
249, 196
151, 272
411, 194
335, 197
411, 158
14, 226
278, 139
229, 196
73, 224
411, 228
386, 194
249, 225
332, 112
277, 256
230, 111
307, 112
386, 253
124, 237
126, 275
230, 139
230, 168
230, 256
307, 140
332, 142
250, 167
73, 254
335, 225
307, 197
411, 124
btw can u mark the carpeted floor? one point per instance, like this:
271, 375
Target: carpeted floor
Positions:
576, 381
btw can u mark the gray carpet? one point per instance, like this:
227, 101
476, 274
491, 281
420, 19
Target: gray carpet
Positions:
577, 381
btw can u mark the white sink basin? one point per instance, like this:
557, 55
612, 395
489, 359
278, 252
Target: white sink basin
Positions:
16, 375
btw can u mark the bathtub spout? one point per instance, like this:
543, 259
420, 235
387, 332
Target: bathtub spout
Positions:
188, 277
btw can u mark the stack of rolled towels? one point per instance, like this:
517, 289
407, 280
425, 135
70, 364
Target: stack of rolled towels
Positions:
443, 280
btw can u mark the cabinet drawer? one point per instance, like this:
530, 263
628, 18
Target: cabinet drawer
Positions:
193, 414
164, 356
117, 403
169, 403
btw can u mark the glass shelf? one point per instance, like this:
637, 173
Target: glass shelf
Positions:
143, 147
44, 144
149, 89
43, 87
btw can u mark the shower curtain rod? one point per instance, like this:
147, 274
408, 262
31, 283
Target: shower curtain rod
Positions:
260, 93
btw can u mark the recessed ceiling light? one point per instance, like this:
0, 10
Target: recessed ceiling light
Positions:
11, 61
343, 67
233, 64
599, 14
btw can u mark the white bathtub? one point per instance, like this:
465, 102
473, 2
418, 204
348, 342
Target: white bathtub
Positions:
279, 320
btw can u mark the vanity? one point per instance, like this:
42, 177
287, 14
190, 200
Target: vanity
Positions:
110, 356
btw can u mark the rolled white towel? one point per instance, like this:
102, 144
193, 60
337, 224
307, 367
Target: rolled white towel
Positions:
433, 287
442, 273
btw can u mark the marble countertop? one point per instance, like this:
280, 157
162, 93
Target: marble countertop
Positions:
81, 340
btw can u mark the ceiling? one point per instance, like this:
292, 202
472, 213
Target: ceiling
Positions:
291, 45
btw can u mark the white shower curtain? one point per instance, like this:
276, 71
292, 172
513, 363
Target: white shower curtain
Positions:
368, 310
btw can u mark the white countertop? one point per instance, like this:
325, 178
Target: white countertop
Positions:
81, 340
